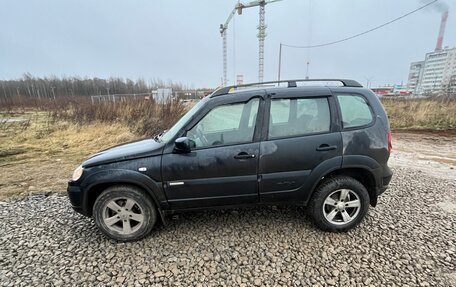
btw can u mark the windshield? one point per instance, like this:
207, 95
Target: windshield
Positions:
168, 135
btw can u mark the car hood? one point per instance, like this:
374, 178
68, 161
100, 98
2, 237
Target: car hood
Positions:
132, 150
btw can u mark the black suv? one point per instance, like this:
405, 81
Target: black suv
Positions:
325, 147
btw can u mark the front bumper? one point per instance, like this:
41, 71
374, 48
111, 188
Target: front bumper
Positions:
75, 196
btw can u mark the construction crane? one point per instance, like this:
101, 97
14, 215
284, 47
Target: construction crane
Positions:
261, 30
261, 35
223, 28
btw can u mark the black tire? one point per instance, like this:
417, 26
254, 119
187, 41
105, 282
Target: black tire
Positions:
331, 186
119, 195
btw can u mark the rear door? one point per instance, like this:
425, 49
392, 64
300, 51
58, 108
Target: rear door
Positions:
222, 167
302, 139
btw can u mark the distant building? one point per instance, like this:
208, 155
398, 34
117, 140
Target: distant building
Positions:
162, 95
415, 74
383, 91
452, 85
239, 80
396, 90
434, 74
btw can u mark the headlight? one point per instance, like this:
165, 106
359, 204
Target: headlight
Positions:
77, 173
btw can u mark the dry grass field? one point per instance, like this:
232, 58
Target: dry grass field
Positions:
428, 114
39, 158
42, 142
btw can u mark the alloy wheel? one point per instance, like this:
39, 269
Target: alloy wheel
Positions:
341, 206
123, 215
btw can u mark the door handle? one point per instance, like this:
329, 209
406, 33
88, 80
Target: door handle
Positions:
244, 155
326, 147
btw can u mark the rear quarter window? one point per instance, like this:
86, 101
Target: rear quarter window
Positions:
355, 111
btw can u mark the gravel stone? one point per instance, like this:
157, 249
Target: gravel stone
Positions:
159, 274
407, 240
257, 282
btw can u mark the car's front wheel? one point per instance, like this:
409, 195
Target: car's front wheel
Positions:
339, 204
124, 213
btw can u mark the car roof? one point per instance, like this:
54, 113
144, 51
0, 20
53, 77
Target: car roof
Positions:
305, 90
306, 85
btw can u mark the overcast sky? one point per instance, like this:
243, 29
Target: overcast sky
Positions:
179, 40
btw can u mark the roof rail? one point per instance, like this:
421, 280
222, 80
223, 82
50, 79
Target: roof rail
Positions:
291, 84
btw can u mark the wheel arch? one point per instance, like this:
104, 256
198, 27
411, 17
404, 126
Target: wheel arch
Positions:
98, 182
361, 174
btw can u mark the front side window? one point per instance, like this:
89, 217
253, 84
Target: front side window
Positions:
172, 132
227, 124
294, 117
355, 111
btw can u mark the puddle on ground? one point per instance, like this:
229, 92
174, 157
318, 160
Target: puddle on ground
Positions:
432, 154
447, 206
447, 160
12, 120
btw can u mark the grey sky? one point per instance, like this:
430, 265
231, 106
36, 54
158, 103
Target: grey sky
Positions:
179, 40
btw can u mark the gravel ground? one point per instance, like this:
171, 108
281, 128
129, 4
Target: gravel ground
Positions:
407, 240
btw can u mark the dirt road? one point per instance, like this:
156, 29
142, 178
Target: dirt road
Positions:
429, 152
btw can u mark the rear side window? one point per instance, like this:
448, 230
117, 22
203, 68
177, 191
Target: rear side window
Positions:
355, 111
294, 117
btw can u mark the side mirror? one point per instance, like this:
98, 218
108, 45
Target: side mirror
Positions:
182, 145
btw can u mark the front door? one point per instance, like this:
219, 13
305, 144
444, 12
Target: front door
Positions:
221, 168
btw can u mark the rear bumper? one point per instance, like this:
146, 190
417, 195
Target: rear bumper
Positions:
385, 185
384, 181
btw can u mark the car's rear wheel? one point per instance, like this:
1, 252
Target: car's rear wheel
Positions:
124, 213
339, 204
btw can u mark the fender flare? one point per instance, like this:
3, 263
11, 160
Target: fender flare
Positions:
362, 162
121, 176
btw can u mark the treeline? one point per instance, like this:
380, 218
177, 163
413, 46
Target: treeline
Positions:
53, 87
